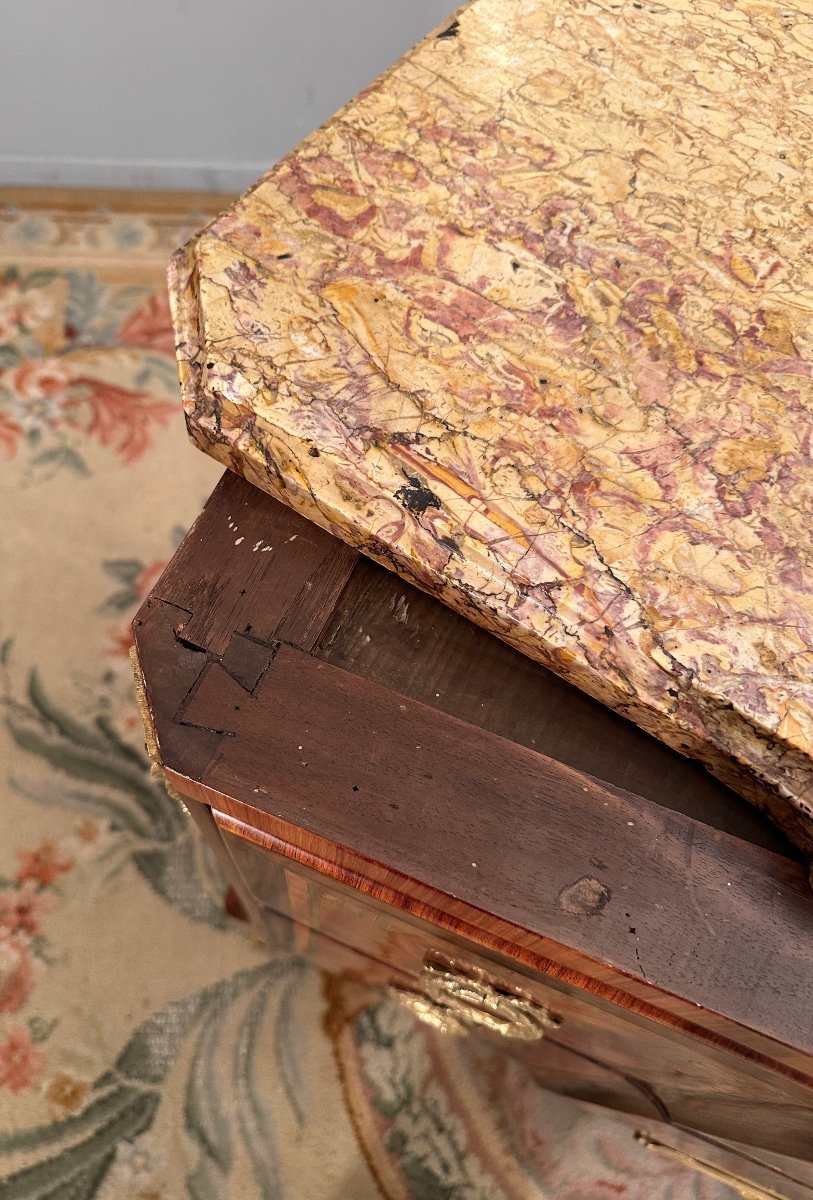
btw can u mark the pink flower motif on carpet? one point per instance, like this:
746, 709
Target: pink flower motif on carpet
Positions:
10, 432
20, 1060
44, 864
151, 326
25, 902
40, 378
68, 373
22, 908
37, 394
44, 395
120, 418
18, 970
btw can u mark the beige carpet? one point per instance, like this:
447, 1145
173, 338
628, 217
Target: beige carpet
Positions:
148, 1049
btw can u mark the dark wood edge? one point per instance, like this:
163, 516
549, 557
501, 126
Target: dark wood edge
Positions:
564, 937
203, 817
187, 623
398, 893
174, 670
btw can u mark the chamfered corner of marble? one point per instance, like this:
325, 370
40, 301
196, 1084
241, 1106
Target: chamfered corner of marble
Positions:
528, 322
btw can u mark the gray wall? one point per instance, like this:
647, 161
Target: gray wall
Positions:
183, 93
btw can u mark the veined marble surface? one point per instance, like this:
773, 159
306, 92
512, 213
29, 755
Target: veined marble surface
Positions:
530, 322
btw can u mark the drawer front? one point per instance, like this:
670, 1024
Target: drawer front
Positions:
770, 1177
598, 1051
283, 933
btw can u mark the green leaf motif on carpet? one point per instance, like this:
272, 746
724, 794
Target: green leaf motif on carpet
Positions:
79, 1151
424, 1136
94, 770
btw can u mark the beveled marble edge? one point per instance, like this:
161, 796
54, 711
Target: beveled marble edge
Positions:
703, 727
773, 771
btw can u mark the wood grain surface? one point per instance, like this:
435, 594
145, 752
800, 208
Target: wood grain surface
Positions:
602, 1051
342, 718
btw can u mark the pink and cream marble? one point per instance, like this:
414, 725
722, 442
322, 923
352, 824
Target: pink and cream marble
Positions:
529, 321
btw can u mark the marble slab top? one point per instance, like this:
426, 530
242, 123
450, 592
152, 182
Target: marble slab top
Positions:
529, 321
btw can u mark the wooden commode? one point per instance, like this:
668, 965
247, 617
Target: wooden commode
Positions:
423, 806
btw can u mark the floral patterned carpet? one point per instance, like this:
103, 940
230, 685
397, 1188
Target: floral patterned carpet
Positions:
148, 1048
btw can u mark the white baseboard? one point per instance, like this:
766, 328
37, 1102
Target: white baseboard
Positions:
230, 178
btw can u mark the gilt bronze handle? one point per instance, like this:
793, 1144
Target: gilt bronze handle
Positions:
458, 999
